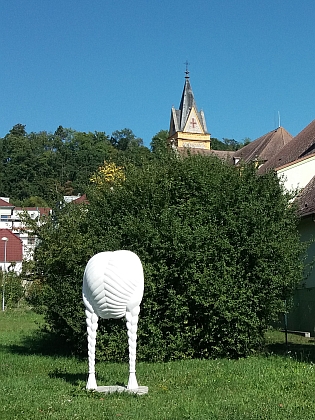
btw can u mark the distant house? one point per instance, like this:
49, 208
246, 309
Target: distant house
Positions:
11, 251
6, 209
80, 199
302, 315
70, 198
10, 220
21, 243
293, 159
17, 226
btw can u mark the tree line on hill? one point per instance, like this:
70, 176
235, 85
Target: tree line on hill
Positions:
38, 169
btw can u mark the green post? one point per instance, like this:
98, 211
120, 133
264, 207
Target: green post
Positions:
286, 323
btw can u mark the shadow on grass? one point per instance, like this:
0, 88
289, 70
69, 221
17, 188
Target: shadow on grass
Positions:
75, 379
303, 351
41, 343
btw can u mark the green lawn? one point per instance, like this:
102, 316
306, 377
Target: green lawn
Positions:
38, 382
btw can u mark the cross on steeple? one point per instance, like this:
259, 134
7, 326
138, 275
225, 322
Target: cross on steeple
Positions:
186, 71
193, 122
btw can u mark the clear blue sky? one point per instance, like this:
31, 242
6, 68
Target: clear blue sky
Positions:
103, 65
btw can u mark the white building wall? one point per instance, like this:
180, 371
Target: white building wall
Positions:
298, 174
17, 267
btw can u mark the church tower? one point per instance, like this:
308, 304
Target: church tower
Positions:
188, 127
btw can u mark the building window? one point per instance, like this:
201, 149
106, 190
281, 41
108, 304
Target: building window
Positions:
31, 240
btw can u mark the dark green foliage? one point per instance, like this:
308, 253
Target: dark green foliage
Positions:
18, 130
34, 295
60, 259
129, 148
14, 290
228, 144
125, 139
220, 251
49, 166
159, 143
34, 201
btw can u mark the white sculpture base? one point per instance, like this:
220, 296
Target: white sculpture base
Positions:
141, 390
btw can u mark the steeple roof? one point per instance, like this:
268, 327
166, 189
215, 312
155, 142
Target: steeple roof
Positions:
186, 103
179, 117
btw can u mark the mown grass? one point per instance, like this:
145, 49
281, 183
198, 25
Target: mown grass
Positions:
38, 381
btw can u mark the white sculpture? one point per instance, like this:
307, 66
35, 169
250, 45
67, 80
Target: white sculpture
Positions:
112, 288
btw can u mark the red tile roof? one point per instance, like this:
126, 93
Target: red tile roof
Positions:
300, 146
81, 200
4, 203
261, 149
222, 154
14, 246
306, 199
265, 147
296, 161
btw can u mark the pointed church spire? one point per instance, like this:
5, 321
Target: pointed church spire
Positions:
188, 126
186, 103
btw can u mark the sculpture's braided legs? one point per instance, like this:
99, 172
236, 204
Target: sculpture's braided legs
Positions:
132, 326
91, 322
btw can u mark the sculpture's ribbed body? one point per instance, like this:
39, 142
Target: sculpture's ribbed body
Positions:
112, 288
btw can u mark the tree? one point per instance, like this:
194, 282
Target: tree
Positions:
58, 279
18, 130
130, 148
228, 144
217, 144
159, 143
50, 165
109, 175
61, 132
17, 164
34, 201
124, 139
244, 142
219, 245
29, 165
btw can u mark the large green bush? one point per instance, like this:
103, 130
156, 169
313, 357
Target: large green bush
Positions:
219, 246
